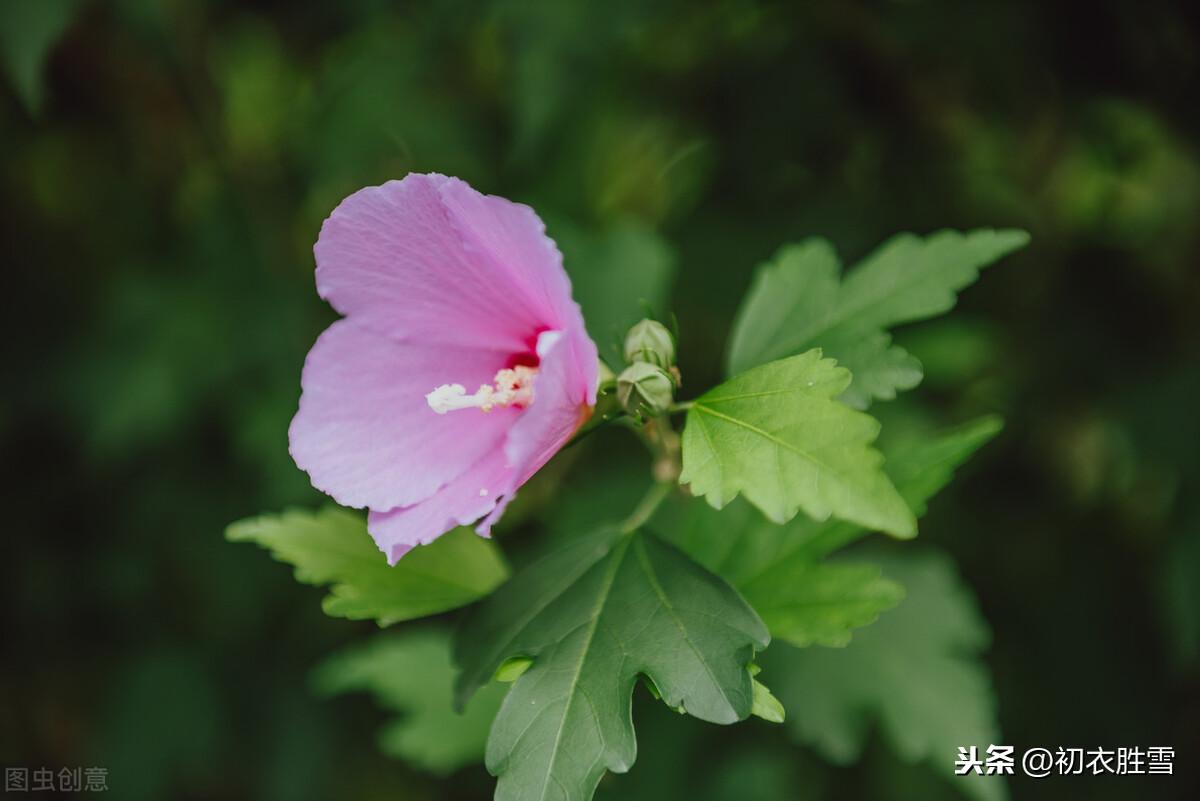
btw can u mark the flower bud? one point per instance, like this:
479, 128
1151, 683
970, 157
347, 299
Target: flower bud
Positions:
606, 378
650, 342
645, 389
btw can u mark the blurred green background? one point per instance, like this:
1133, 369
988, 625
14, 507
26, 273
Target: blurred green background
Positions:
167, 167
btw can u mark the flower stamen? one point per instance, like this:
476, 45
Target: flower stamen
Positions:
511, 387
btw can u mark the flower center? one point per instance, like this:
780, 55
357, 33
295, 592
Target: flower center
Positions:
512, 387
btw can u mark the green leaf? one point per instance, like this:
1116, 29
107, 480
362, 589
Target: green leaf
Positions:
411, 673
780, 569
765, 705
823, 601
594, 617
512, 669
799, 301
332, 547
917, 673
878, 367
921, 466
777, 435
739, 545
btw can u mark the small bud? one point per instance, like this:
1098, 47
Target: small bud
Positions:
512, 668
650, 342
607, 379
645, 389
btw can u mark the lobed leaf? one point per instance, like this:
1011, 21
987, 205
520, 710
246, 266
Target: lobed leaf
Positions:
799, 301
781, 571
593, 618
917, 673
332, 547
822, 602
923, 466
777, 435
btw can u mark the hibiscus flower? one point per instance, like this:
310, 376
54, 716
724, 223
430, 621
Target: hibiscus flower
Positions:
441, 289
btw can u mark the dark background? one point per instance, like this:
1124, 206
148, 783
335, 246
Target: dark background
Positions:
167, 165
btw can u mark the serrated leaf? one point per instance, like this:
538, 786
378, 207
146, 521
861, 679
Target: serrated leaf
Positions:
799, 301
777, 435
822, 602
917, 673
922, 466
332, 547
411, 673
780, 569
594, 617
879, 368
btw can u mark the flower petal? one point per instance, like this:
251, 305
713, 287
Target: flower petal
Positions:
471, 496
429, 259
562, 401
514, 239
560, 406
364, 431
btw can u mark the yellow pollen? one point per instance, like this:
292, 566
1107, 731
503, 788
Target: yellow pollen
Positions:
510, 387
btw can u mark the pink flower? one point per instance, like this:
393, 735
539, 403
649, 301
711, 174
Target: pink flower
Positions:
441, 289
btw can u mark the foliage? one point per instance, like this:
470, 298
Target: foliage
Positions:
410, 673
781, 570
799, 301
332, 547
575, 630
777, 435
169, 164
593, 618
916, 672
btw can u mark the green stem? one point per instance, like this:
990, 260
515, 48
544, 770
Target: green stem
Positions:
646, 507
682, 406
597, 423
